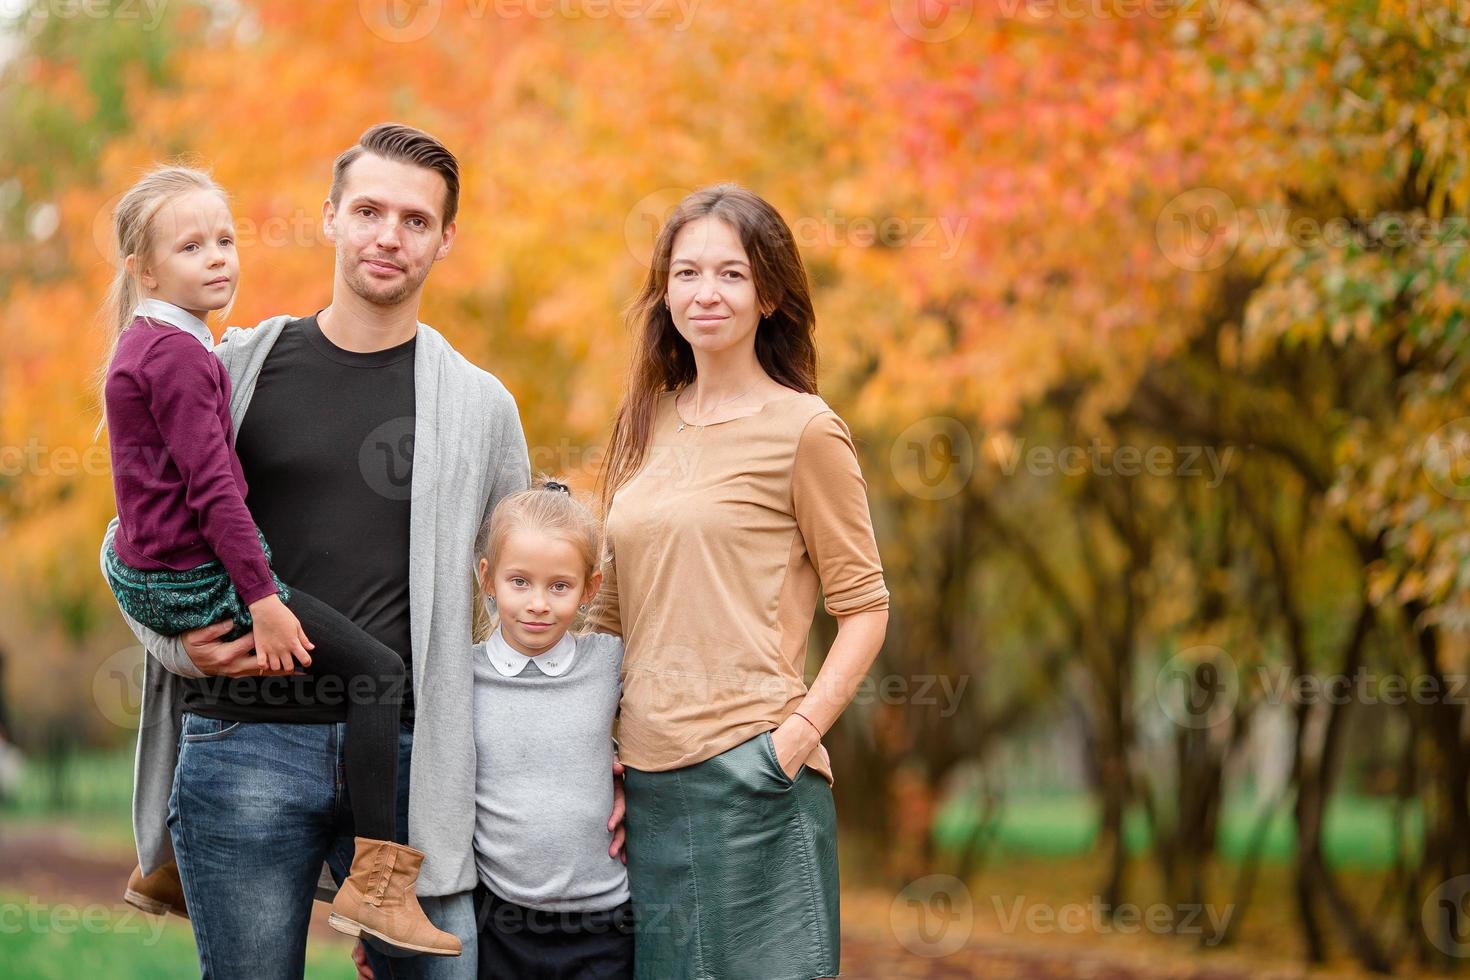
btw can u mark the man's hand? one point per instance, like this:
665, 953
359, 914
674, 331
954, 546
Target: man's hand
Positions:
359, 957
615, 822
218, 659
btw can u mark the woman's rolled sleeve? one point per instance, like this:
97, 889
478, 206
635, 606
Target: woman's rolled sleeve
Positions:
830, 501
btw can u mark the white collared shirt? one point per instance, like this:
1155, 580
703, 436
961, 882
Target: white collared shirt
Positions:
509, 662
176, 316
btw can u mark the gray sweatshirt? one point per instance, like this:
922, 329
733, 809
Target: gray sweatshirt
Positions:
469, 452
543, 736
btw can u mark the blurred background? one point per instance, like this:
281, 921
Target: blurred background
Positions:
1149, 318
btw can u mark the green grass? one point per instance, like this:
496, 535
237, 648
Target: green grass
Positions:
42, 937
1357, 831
95, 796
97, 788
42, 940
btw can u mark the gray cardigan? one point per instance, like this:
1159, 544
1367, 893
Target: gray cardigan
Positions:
469, 452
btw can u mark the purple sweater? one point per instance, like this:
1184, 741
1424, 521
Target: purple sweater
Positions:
179, 487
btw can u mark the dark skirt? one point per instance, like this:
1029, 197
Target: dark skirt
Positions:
171, 602
733, 869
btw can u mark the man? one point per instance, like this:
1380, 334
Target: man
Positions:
373, 451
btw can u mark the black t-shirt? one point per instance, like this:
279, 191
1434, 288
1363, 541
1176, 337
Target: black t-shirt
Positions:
327, 451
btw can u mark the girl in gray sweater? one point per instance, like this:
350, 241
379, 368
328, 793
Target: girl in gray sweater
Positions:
552, 900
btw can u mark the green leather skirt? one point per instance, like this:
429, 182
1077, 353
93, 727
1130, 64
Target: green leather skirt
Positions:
733, 869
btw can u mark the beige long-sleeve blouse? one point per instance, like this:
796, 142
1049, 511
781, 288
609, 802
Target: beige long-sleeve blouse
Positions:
719, 546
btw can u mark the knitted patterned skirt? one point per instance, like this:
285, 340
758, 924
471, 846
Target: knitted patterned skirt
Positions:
171, 602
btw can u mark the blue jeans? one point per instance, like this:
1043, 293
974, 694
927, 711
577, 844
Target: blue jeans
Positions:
256, 808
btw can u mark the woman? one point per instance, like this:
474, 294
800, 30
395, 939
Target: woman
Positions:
732, 495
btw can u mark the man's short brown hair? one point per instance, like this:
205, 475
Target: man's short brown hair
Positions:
395, 141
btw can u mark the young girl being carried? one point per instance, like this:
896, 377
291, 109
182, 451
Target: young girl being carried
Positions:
188, 554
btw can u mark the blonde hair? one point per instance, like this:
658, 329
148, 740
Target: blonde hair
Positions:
132, 234
548, 506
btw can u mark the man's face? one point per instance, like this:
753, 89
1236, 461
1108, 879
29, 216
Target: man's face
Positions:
388, 228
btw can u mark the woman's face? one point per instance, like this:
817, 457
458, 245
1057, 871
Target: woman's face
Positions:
711, 291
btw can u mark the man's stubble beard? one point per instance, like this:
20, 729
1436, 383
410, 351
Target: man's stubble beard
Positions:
367, 289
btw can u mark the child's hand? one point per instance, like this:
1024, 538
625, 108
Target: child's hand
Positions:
278, 636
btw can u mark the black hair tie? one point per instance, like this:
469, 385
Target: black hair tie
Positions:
553, 485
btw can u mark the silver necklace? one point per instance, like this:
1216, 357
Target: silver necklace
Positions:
682, 423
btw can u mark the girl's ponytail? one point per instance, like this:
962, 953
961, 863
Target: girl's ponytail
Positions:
132, 234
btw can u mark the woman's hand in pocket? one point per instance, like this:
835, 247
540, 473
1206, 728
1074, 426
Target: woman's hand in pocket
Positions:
794, 741
280, 642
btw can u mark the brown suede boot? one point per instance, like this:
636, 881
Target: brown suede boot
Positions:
158, 893
378, 898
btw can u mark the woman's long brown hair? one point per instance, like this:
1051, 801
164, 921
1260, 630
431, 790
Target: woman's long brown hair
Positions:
662, 360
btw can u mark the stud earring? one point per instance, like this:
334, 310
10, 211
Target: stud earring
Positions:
582, 608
